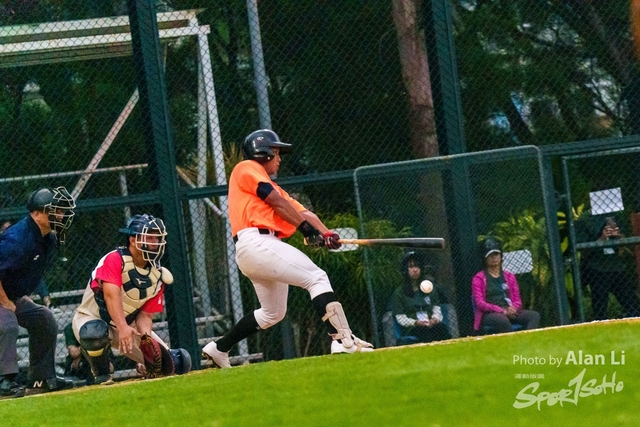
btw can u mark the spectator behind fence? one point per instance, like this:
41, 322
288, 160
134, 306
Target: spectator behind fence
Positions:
606, 270
496, 296
417, 313
26, 251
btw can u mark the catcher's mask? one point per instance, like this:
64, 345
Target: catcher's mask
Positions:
58, 204
258, 145
150, 234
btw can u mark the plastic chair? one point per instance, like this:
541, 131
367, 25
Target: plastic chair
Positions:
488, 330
393, 332
402, 339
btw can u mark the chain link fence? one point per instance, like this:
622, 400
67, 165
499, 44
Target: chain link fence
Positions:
416, 199
602, 222
349, 84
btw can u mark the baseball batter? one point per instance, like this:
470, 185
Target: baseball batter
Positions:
261, 213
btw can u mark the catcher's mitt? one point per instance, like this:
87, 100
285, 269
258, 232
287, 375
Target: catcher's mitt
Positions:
157, 360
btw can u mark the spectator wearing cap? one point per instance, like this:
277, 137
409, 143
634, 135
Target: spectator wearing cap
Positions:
496, 295
418, 314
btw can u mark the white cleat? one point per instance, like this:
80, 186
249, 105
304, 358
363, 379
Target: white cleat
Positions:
359, 346
220, 358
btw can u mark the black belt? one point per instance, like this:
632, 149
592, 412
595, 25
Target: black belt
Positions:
261, 231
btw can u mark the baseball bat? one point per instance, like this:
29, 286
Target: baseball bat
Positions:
411, 242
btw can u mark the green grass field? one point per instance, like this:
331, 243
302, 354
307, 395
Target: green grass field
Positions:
467, 382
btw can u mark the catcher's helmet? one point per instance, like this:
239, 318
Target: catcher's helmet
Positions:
489, 246
143, 226
58, 204
258, 145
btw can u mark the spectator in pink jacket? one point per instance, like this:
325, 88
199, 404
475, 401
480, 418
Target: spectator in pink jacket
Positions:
496, 296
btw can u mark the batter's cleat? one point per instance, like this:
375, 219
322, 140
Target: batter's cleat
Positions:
220, 358
48, 385
359, 346
103, 380
10, 389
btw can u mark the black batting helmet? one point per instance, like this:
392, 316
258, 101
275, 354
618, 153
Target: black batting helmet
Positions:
58, 204
258, 145
143, 226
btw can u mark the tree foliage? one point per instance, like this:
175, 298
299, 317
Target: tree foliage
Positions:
540, 72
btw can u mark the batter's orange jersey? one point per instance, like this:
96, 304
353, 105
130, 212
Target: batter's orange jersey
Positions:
246, 209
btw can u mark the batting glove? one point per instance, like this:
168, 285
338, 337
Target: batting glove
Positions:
311, 235
331, 240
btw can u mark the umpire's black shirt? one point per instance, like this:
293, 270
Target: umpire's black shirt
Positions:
24, 257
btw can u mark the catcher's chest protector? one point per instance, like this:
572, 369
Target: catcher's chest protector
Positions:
139, 285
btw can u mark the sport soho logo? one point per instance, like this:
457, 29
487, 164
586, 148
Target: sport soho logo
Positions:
577, 388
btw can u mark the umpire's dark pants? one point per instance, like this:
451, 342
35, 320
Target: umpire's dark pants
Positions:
43, 330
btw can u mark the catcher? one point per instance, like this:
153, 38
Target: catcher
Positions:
125, 290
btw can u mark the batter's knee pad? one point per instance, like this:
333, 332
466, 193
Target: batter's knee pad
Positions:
95, 344
181, 360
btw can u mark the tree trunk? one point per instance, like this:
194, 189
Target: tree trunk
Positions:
416, 78
424, 142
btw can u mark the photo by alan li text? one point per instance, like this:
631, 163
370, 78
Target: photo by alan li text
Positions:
572, 358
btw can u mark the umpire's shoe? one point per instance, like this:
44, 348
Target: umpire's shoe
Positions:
51, 384
9, 389
220, 358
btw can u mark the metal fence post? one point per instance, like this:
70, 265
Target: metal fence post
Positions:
261, 81
155, 109
553, 233
449, 129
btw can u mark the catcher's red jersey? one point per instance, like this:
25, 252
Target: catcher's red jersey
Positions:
119, 270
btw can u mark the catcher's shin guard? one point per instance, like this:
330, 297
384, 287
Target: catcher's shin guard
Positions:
349, 342
96, 346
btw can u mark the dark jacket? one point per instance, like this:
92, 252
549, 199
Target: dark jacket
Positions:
589, 229
24, 256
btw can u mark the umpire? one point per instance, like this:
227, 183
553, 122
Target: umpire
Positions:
26, 250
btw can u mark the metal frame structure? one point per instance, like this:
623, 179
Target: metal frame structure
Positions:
110, 37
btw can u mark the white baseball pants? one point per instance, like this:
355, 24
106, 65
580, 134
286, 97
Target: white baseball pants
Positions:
272, 266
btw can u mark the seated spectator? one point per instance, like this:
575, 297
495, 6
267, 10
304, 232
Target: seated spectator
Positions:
417, 313
496, 295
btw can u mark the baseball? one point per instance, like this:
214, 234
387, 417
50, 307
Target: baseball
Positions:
426, 286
